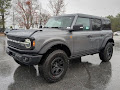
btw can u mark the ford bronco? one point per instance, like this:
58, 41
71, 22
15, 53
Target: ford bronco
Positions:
62, 38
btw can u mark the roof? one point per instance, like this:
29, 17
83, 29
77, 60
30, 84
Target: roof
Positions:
85, 15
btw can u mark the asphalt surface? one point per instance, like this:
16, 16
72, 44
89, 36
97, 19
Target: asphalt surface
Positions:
90, 74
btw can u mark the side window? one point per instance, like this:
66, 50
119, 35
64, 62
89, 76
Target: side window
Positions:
85, 22
96, 24
106, 25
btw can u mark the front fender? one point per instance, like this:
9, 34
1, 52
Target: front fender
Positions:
47, 45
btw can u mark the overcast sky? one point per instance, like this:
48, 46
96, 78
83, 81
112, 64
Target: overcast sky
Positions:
93, 7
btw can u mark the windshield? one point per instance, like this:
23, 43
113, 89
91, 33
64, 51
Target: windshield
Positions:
60, 22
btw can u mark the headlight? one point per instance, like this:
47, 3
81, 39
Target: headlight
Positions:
27, 43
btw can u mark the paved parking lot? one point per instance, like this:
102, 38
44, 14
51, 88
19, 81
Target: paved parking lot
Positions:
90, 74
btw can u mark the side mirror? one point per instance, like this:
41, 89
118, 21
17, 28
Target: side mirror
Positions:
78, 27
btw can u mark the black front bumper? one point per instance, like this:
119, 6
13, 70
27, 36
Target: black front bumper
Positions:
27, 59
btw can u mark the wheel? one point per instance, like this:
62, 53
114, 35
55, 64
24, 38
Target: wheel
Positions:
21, 64
55, 66
106, 54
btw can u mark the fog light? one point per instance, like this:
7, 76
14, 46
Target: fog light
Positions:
25, 59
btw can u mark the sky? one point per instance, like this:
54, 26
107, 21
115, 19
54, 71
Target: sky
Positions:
92, 7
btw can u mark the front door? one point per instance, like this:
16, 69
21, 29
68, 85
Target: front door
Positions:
82, 39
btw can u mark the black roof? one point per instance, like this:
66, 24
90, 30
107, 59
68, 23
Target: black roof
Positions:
86, 15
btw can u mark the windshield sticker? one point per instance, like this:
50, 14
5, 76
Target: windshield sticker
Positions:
87, 28
68, 27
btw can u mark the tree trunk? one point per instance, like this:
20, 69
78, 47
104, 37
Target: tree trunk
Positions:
3, 21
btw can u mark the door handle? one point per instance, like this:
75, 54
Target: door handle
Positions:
89, 36
102, 35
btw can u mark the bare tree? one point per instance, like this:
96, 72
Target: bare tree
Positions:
26, 12
29, 13
57, 7
43, 16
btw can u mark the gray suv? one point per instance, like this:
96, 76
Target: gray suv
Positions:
63, 38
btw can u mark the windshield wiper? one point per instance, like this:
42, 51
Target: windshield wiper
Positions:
46, 27
56, 27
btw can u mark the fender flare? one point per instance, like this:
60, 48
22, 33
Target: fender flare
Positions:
106, 41
50, 44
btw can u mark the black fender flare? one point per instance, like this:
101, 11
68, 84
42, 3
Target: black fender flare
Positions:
106, 41
50, 44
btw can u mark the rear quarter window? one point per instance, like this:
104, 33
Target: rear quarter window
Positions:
96, 24
106, 25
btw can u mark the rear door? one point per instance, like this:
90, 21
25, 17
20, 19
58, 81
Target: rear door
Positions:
96, 34
106, 30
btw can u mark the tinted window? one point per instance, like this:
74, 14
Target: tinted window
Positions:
85, 22
96, 24
106, 25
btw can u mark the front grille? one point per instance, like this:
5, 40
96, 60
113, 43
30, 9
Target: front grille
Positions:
16, 38
16, 45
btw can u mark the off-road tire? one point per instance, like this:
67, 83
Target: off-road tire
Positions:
46, 69
106, 53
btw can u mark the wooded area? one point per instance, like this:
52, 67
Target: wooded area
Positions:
115, 22
4, 5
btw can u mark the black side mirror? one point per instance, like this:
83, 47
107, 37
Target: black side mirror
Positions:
40, 26
78, 27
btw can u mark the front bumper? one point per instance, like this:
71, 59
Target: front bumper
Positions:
27, 59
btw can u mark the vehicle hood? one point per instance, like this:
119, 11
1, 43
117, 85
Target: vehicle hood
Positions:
31, 32
21, 33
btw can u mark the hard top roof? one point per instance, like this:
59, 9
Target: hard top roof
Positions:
85, 15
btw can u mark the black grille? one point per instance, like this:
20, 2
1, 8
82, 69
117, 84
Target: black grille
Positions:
18, 45
16, 38
14, 44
